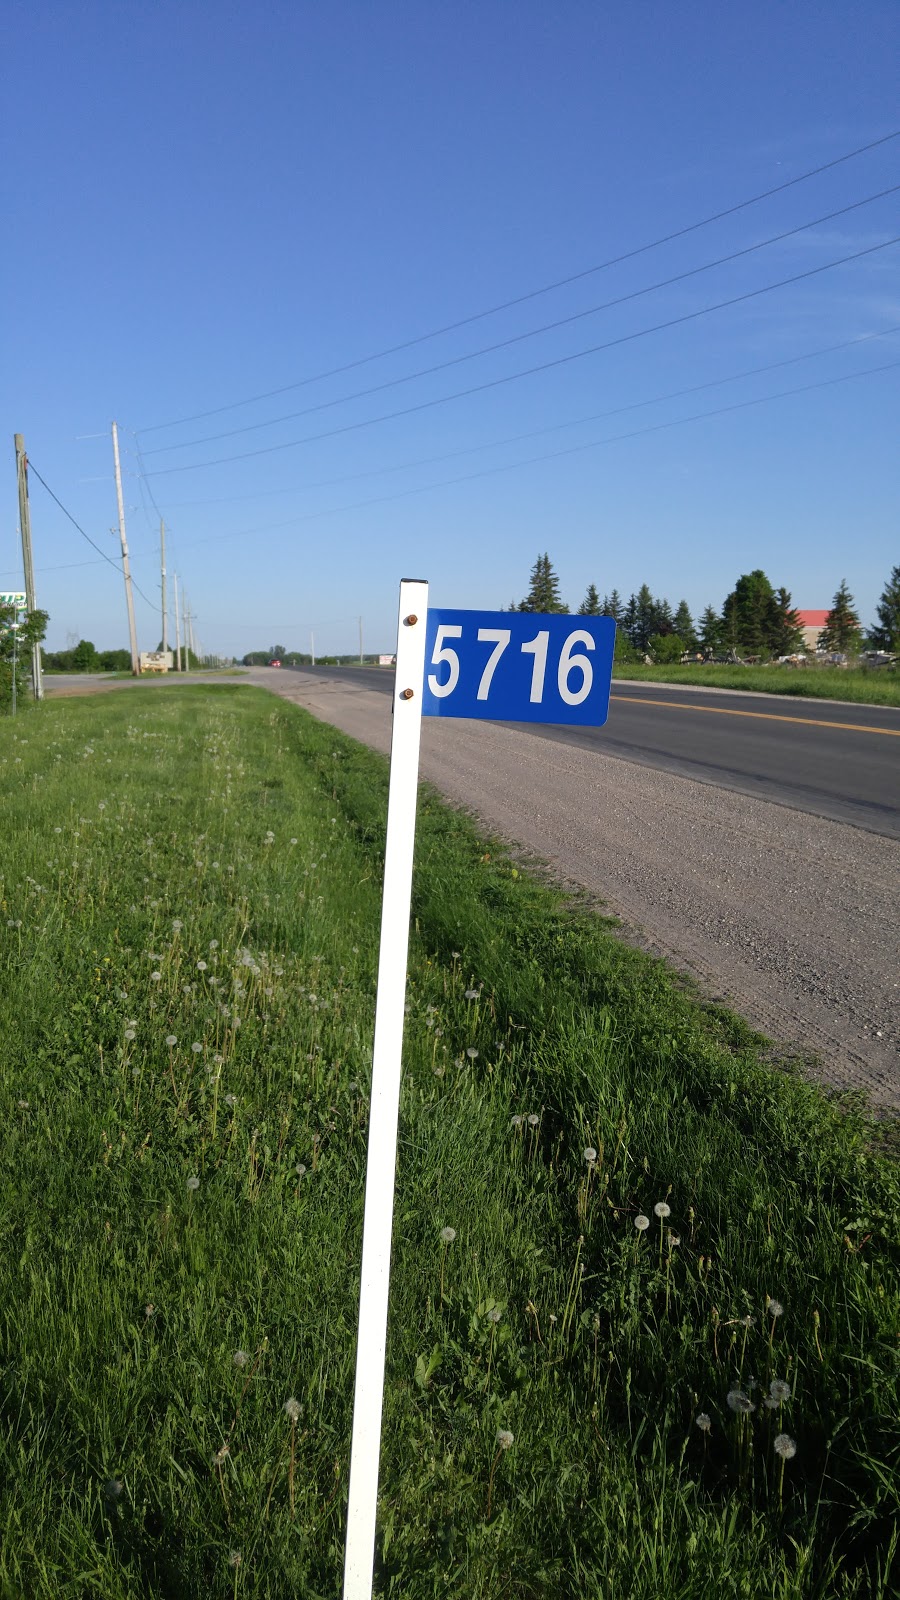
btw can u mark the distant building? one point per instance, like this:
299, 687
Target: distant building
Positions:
812, 623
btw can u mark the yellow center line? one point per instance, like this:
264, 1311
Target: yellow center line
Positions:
763, 716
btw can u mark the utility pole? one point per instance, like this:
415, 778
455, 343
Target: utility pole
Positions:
126, 565
162, 567
186, 628
37, 673
312, 646
177, 629
360, 643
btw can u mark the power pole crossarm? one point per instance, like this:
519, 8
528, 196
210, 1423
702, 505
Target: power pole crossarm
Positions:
126, 565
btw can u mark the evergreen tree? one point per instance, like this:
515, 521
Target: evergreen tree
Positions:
749, 616
663, 621
787, 632
886, 636
684, 627
590, 605
628, 622
645, 619
612, 607
841, 630
710, 631
543, 594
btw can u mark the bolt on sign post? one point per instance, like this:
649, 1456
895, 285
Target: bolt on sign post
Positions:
501, 666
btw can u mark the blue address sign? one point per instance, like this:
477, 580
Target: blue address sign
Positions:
513, 666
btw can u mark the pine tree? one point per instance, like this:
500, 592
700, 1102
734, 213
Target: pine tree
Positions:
684, 627
663, 621
749, 615
628, 623
710, 631
787, 632
590, 605
645, 619
543, 594
886, 636
841, 630
613, 606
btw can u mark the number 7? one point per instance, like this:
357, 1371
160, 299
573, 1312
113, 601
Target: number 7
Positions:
500, 638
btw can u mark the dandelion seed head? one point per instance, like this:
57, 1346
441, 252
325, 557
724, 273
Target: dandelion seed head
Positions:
300, 1170
234, 1558
220, 1455
472, 1053
703, 1421
196, 1047
533, 1119
504, 1438
231, 1100
113, 1488
193, 1184
516, 1122
494, 1314
661, 1209
448, 1235
293, 1409
240, 1358
739, 1402
24, 1105
779, 1390
641, 1222
472, 994
201, 966
748, 1321
785, 1446
774, 1308
177, 926
590, 1155
156, 977
129, 1033
171, 1039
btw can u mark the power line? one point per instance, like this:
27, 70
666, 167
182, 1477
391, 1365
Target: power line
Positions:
114, 564
532, 333
544, 366
554, 455
556, 427
533, 294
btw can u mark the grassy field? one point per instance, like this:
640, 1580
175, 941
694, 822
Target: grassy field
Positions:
880, 687
706, 1406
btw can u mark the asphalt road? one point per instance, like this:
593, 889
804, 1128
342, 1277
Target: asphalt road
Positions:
828, 759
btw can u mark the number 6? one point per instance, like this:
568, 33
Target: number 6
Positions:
566, 664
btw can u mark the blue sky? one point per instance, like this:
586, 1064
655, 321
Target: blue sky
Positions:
205, 203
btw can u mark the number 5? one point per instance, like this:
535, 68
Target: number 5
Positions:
440, 655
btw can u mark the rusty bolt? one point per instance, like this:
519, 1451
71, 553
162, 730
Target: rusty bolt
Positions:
411, 620
406, 694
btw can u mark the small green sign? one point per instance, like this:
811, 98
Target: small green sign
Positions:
17, 600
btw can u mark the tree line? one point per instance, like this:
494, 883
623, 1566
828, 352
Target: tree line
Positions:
756, 619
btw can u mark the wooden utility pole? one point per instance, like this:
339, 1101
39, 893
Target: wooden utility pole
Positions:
162, 569
177, 629
37, 672
312, 647
360, 643
126, 565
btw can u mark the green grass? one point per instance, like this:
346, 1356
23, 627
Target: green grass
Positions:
150, 832
865, 686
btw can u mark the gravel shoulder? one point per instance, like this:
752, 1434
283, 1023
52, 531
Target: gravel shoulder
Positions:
787, 918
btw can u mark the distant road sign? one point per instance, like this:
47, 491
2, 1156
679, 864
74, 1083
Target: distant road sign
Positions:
514, 666
17, 600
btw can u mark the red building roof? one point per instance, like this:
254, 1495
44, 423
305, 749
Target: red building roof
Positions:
812, 619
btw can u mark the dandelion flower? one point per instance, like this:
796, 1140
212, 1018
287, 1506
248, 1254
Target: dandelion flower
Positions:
448, 1235
703, 1421
662, 1210
472, 1053
785, 1446
171, 1040
779, 1390
156, 977
240, 1358
472, 994
293, 1409
533, 1120
641, 1222
494, 1314
774, 1308
129, 1033
748, 1321
196, 1047
516, 1122
193, 1184
504, 1438
213, 944
739, 1402
201, 966
300, 1170
590, 1155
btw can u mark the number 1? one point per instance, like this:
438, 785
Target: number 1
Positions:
537, 647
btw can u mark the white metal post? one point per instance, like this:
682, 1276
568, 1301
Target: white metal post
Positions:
382, 1153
